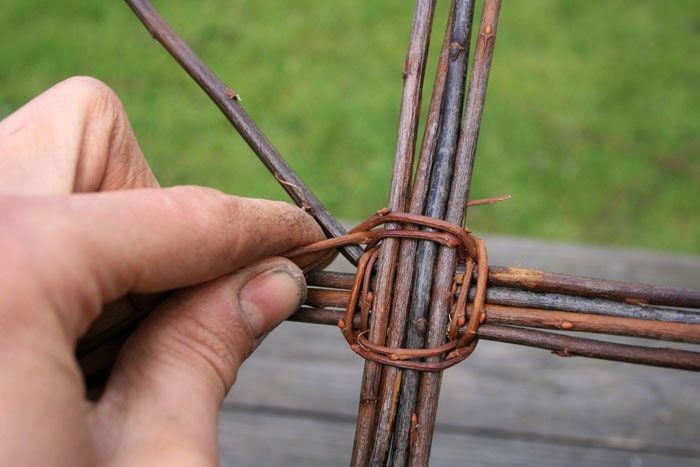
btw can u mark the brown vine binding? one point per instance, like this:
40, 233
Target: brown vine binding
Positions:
471, 251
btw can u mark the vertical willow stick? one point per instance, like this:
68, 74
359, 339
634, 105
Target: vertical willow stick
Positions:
226, 100
413, 72
430, 382
440, 180
391, 376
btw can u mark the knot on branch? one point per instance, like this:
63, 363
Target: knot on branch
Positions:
461, 331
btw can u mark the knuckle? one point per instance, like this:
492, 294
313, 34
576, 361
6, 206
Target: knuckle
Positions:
89, 87
97, 102
91, 92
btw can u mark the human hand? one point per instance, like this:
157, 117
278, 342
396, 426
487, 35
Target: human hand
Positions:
65, 255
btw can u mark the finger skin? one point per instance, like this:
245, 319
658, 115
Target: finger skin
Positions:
64, 256
75, 137
173, 373
102, 246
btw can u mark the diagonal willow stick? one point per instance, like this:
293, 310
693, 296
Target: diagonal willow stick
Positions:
414, 71
426, 407
226, 100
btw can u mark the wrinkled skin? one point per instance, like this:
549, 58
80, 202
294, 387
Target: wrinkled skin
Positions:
83, 223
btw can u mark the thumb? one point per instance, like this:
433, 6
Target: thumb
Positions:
173, 373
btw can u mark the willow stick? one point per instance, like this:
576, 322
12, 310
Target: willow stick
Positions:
587, 302
426, 406
600, 306
598, 324
413, 74
324, 306
526, 299
568, 346
560, 345
494, 295
227, 101
391, 376
584, 305
436, 204
563, 284
540, 281
550, 319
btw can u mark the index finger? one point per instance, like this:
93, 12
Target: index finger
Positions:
88, 249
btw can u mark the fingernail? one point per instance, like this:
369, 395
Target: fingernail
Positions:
270, 297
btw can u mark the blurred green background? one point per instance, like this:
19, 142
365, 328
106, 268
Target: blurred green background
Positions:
592, 120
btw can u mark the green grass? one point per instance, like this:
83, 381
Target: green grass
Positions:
592, 120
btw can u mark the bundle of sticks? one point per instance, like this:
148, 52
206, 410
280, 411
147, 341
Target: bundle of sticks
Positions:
520, 302
410, 307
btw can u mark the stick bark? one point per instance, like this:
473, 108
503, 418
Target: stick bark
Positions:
550, 319
426, 407
560, 345
225, 99
391, 376
574, 286
413, 73
436, 205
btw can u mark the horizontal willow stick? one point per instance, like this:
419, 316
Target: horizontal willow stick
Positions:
561, 345
591, 303
324, 306
530, 279
541, 281
494, 296
550, 319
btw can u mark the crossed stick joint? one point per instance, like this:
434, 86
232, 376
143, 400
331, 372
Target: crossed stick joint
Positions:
471, 251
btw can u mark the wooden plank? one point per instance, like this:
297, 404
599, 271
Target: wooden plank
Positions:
250, 438
303, 366
584, 260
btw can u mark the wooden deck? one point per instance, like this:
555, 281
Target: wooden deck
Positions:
296, 398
